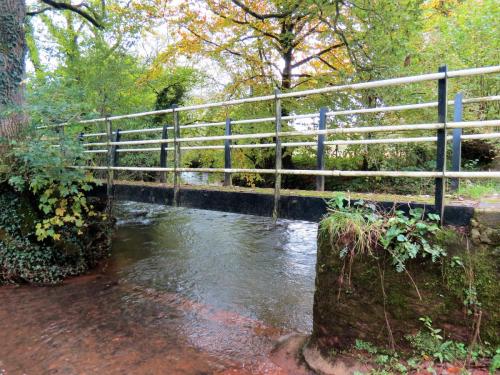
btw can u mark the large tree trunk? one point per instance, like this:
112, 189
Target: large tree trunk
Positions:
12, 67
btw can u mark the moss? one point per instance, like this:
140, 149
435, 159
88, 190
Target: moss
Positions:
343, 314
473, 278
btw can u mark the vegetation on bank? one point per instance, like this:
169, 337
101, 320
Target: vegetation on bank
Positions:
402, 294
428, 353
49, 227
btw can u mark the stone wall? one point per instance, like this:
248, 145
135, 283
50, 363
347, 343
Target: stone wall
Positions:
345, 311
485, 227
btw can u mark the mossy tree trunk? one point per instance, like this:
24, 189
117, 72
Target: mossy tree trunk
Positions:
12, 67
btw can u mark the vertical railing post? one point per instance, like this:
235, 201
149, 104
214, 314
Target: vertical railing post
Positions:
60, 136
440, 182
177, 156
456, 156
228, 180
278, 161
80, 137
116, 159
320, 153
109, 187
163, 153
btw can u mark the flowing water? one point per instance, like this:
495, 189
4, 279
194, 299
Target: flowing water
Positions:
185, 292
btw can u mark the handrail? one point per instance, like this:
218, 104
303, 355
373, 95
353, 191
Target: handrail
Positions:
309, 172
306, 144
329, 89
366, 129
309, 115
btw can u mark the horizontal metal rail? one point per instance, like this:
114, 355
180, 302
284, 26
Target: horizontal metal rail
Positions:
307, 172
309, 115
347, 87
307, 144
367, 129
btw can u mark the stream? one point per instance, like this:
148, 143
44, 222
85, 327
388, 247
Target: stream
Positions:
185, 291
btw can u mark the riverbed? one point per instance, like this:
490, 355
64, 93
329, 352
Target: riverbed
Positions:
185, 291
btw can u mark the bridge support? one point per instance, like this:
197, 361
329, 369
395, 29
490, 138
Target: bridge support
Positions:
440, 182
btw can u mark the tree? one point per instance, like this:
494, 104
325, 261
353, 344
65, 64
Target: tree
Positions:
12, 57
12, 69
284, 43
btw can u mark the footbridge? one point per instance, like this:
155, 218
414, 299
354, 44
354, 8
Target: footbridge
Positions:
326, 131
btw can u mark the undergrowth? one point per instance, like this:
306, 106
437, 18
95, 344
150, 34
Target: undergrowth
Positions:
49, 229
430, 352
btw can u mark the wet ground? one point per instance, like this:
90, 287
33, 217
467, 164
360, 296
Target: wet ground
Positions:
185, 292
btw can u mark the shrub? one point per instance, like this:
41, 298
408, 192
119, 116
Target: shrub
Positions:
49, 229
362, 228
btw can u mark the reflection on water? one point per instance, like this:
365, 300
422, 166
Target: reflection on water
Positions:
185, 292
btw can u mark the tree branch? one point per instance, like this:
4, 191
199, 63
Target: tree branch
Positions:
38, 11
236, 53
317, 55
327, 63
76, 9
262, 17
245, 23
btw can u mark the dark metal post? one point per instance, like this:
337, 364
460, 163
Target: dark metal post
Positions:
320, 154
109, 187
60, 135
456, 156
80, 137
278, 162
116, 159
228, 181
441, 145
177, 155
163, 153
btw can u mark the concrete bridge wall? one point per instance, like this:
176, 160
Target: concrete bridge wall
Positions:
293, 207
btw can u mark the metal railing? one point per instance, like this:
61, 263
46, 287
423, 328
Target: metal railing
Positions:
114, 145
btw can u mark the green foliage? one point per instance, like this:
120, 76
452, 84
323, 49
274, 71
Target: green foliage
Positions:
407, 237
431, 343
48, 227
39, 168
495, 362
362, 228
427, 348
477, 190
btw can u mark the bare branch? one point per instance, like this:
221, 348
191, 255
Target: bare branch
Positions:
76, 9
262, 17
245, 23
38, 11
236, 53
317, 55
327, 63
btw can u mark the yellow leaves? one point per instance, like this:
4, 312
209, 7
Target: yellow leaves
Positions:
60, 211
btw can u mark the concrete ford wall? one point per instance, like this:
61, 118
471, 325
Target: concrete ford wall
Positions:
294, 207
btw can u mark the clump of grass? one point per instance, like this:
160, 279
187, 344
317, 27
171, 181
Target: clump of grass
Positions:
477, 190
352, 231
